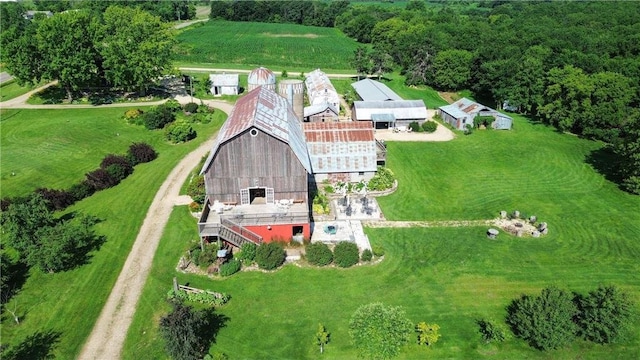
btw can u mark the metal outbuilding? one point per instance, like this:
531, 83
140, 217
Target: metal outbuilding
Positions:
371, 90
386, 114
320, 90
462, 113
224, 84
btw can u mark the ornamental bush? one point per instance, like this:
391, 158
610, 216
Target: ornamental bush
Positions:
491, 331
429, 126
345, 254
383, 180
318, 254
196, 189
139, 153
133, 116
179, 131
414, 126
544, 321
230, 267
56, 199
159, 117
100, 179
120, 166
191, 108
271, 255
248, 252
367, 255
603, 314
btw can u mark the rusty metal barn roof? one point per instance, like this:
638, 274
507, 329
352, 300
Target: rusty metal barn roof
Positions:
269, 112
465, 107
341, 146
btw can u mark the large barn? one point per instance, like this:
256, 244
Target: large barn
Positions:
462, 112
343, 151
257, 174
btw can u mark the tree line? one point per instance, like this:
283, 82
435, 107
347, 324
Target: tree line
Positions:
123, 48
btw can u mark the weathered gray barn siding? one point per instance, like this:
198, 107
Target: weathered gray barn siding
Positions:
248, 161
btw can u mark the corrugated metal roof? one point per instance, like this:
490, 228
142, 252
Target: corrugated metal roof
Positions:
261, 76
371, 90
224, 79
341, 147
464, 107
402, 109
320, 89
262, 108
316, 109
383, 118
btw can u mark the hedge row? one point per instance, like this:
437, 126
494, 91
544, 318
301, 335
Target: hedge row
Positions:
113, 169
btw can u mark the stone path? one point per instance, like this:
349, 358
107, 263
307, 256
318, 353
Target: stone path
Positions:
444, 223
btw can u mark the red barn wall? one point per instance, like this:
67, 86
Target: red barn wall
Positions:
279, 232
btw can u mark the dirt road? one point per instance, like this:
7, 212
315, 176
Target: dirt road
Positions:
109, 333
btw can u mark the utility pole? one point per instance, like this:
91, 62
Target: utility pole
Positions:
191, 87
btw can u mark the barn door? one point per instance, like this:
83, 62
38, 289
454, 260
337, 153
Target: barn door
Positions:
269, 192
244, 196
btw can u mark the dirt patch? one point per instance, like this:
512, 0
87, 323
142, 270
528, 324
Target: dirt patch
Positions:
306, 36
449, 97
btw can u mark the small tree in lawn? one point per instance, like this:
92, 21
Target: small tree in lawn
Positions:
427, 334
490, 331
378, 331
322, 337
545, 321
345, 254
182, 331
603, 314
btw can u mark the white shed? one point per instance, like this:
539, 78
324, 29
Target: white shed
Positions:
224, 84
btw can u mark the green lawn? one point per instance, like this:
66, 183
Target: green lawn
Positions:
12, 89
56, 147
277, 46
450, 276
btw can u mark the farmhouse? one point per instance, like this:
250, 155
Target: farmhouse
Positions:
385, 114
371, 90
320, 113
343, 151
224, 84
257, 174
261, 77
462, 112
320, 90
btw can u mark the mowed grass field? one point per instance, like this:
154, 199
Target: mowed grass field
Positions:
450, 276
278, 46
58, 311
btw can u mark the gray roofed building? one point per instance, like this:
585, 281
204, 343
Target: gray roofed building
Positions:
371, 90
320, 113
224, 84
462, 113
320, 90
386, 113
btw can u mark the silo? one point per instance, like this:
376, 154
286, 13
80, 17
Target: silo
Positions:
261, 77
293, 91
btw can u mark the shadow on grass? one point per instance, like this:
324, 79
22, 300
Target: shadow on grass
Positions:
99, 96
34, 347
605, 161
215, 323
15, 276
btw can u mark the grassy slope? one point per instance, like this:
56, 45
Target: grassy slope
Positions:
55, 148
218, 43
451, 276
68, 304
12, 89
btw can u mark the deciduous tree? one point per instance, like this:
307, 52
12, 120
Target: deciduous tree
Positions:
136, 47
322, 337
